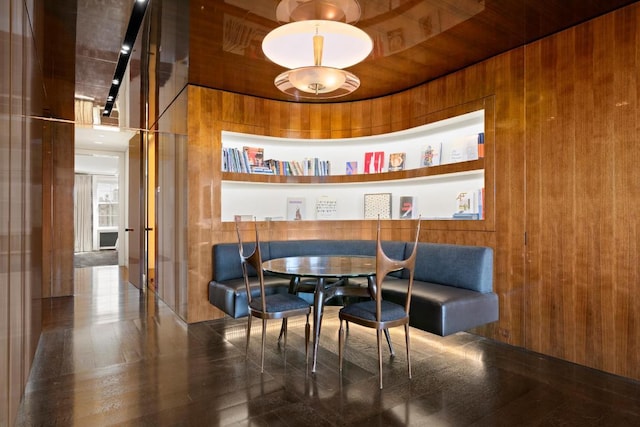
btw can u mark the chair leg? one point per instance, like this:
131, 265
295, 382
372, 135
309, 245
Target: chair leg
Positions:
406, 333
283, 329
246, 349
285, 333
379, 336
264, 335
386, 334
340, 345
307, 334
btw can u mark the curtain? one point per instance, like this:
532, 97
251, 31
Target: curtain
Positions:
84, 112
83, 213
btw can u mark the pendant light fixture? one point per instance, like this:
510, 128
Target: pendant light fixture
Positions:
315, 45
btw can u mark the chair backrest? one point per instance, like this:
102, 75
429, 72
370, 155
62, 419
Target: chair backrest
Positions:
254, 259
386, 265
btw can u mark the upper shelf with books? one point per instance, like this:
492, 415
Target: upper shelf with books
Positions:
446, 146
471, 165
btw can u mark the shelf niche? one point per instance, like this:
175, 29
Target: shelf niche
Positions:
341, 196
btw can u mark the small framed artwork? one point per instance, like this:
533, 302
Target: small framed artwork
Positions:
377, 205
396, 161
296, 208
373, 161
326, 208
407, 207
351, 168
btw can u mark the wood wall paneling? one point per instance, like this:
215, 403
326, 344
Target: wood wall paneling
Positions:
582, 194
6, 414
59, 78
59, 225
20, 201
204, 110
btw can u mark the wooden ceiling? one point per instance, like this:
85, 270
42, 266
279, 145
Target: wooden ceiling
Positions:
414, 40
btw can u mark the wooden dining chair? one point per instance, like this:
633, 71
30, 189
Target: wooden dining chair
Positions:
378, 313
265, 307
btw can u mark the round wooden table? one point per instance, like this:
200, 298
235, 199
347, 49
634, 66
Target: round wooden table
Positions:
332, 274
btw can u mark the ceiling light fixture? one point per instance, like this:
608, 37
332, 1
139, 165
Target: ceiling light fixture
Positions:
316, 46
330, 10
135, 21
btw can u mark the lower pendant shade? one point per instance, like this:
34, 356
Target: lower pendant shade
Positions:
317, 82
317, 79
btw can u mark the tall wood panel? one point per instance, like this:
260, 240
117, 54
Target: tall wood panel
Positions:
58, 158
21, 95
583, 194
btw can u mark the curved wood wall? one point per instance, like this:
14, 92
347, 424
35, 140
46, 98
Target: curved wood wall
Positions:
491, 85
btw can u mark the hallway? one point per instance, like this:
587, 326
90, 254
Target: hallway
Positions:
110, 357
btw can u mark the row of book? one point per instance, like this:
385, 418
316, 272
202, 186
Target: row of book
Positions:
307, 167
235, 160
251, 160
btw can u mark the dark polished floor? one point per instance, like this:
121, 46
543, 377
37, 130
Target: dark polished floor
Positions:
110, 357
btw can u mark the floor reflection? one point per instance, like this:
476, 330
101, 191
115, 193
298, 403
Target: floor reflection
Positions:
113, 355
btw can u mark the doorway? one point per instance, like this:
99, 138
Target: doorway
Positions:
97, 208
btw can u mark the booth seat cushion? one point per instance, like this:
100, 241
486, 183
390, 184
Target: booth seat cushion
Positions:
466, 267
231, 296
286, 248
226, 260
441, 309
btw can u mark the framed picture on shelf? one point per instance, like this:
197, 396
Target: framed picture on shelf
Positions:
326, 208
255, 155
460, 149
396, 161
351, 168
407, 207
296, 208
431, 155
373, 161
377, 205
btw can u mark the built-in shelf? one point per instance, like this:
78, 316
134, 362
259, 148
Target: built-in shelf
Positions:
434, 188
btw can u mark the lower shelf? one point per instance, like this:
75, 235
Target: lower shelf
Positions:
434, 197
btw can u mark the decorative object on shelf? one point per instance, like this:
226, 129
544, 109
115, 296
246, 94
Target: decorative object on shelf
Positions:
377, 205
373, 161
461, 149
396, 161
326, 208
469, 205
255, 155
431, 155
316, 43
481, 145
244, 218
465, 202
295, 208
407, 207
351, 168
